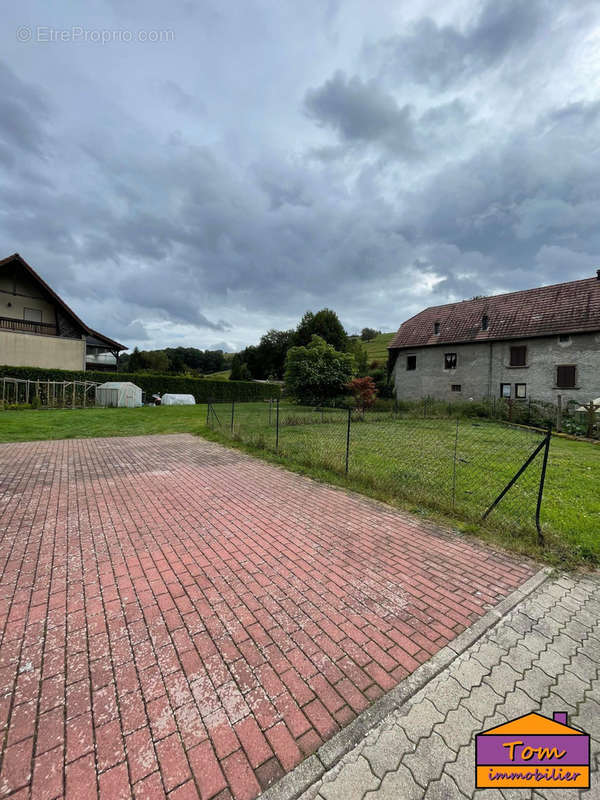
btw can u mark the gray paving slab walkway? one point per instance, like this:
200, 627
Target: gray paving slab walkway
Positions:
544, 656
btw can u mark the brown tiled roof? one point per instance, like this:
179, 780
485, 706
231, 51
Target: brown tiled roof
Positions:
89, 331
572, 307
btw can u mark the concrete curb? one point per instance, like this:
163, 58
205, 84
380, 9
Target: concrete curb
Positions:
292, 785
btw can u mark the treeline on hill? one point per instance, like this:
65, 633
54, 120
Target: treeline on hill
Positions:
267, 359
175, 360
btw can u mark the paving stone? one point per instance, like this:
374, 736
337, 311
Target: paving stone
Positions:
490, 654
427, 762
552, 702
505, 636
570, 688
520, 658
468, 672
536, 642
521, 622
351, 783
387, 752
482, 701
502, 678
458, 728
396, 785
588, 718
447, 694
444, 789
462, 770
552, 663
535, 683
583, 667
576, 630
420, 720
516, 704
560, 614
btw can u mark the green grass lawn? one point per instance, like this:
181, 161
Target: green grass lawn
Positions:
26, 426
377, 348
407, 461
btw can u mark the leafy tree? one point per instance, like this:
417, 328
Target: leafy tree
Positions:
155, 360
245, 374
361, 357
368, 333
135, 361
364, 392
326, 324
236, 368
272, 350
318, 372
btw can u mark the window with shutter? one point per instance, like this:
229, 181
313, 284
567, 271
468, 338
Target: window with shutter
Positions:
565, 376
518, 356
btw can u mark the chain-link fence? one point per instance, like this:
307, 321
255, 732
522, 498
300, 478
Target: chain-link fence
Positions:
467, 467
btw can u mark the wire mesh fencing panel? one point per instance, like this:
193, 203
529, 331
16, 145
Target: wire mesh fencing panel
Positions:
465, 467
498, 473
316, 437
404, 456
252, 423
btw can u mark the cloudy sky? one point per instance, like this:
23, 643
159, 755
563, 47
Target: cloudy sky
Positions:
195, 172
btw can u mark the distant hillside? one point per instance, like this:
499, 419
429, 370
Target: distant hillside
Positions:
219, 376
377, 348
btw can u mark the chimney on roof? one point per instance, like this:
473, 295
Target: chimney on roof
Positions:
560, 716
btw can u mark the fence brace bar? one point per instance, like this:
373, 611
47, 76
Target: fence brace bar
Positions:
513, 480
542, 482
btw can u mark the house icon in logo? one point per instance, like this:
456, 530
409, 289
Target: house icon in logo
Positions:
533, 751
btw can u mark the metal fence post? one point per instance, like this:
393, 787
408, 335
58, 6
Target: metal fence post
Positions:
541, 489
277, 426
454, 466
232, 413
348, 438
207, 413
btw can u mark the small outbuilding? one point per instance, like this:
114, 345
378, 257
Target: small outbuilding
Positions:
118, 394
177, 400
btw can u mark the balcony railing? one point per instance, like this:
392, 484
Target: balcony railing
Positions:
25, 325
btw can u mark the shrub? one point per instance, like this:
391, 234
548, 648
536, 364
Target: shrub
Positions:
317, 373
364, 392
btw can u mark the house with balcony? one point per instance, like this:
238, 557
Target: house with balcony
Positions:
537, 343
38, 329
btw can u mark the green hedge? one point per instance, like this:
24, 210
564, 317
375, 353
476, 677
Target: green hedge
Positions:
154, 383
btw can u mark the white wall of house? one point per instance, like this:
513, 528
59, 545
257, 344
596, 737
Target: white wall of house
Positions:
19, 349
482, 367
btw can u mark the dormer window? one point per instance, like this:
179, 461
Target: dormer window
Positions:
485, 323
436, 328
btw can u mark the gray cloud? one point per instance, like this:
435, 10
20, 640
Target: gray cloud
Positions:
374, 186
440, 55
361, 112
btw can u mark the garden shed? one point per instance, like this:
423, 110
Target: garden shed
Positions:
118, 394
177, 400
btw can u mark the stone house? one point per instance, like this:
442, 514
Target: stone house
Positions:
538, 344
38, 329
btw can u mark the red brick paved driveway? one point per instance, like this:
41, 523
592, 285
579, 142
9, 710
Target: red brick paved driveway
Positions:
180, 619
